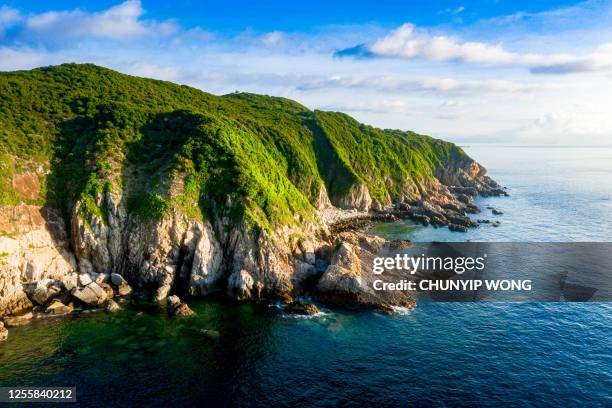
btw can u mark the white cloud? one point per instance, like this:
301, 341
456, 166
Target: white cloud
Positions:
565, 127
407, 42
121, 22
455, 11
8, 17
389, 83
11, 59
273, 38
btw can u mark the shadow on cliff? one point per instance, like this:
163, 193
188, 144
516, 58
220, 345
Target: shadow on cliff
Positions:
337, 178
147, 174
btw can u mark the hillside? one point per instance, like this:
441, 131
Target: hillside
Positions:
178, 188
92, 127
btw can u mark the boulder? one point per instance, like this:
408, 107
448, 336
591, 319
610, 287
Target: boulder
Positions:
124, 290
85, 279
162, 292
117, 279
496, 212
3, 332
400, 244
21, 320
183, 311
455, 227
174, 301
301, 308
103, 278
70, 281
91, 294
108, 289
112, 306
45, 290
176, 308
465, 199
57, 308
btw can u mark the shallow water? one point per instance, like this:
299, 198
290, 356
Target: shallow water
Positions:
440, 354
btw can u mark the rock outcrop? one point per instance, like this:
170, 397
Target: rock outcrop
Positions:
302, 308
178, 308
348, 281
33, 248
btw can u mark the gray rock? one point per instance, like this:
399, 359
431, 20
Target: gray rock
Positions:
45, 290
460, 228
117, 279
91, 294
240, 284
70, 281
174, 301
85, 279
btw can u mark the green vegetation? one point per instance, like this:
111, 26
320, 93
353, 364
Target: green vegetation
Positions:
165, 146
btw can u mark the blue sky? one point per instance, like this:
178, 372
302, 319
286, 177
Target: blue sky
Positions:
511, 71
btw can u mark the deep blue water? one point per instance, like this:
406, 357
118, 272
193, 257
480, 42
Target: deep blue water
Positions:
440, 354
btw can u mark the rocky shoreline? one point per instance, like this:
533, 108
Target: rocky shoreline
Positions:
331, 265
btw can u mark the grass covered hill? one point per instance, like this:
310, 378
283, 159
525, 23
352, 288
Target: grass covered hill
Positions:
83, 130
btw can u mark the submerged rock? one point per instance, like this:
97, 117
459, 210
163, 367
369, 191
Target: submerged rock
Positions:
177, 308
20, 320
210, 333
3, 332
57, 308
301, 308
496, 212
111, 306
183, 311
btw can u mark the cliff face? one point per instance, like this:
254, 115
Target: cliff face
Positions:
186, 192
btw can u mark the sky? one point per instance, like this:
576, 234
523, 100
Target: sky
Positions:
488, 71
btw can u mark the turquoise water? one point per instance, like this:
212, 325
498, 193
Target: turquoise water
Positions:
440, 354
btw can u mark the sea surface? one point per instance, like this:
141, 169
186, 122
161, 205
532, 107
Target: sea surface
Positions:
440, 354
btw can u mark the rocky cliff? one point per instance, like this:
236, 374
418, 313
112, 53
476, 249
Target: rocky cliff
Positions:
183, 192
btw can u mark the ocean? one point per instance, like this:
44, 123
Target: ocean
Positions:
440, 354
